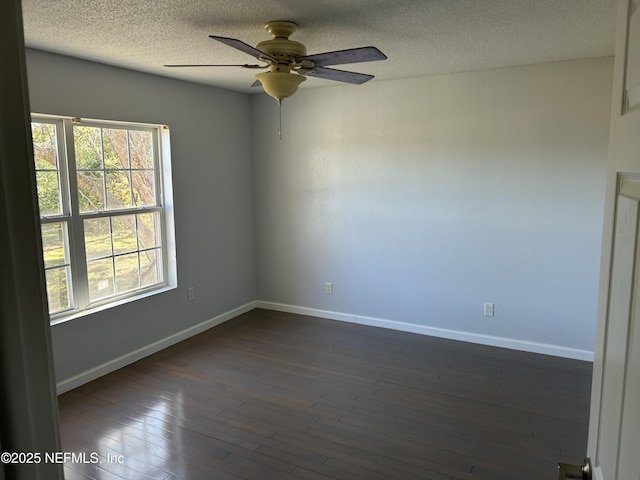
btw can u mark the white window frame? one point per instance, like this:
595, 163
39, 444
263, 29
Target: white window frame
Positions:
75, 243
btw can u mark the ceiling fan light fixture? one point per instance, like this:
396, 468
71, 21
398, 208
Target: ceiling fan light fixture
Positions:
282, 55
280, 85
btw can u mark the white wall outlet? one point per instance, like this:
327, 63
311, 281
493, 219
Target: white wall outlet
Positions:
328, 288
191, 293
488, 309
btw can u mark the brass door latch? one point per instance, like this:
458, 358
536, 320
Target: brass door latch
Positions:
584, 471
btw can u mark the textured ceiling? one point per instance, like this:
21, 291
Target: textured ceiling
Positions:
420, 37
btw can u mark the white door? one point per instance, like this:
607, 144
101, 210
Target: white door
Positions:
614, 430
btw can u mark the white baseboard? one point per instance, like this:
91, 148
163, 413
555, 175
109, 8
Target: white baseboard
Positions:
513, 344
113, 365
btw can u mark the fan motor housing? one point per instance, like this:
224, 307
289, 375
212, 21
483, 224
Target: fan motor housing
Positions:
280, 47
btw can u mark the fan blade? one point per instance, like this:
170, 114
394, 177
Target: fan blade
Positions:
244, 47
339, 75
256, 84
210, 65
352, 55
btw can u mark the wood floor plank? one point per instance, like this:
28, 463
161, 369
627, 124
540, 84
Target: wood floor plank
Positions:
270, 395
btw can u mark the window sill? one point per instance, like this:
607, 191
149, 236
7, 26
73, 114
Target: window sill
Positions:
65, 317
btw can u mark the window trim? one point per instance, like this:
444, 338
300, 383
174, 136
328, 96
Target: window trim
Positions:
70, 214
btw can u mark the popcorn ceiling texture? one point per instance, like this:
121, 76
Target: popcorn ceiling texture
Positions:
420, 37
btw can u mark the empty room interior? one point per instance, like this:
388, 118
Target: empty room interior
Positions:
397, 279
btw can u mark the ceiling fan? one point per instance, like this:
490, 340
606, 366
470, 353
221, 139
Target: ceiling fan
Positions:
288, 62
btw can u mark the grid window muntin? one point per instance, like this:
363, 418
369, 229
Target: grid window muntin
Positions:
152, 269
51, 166
125, 259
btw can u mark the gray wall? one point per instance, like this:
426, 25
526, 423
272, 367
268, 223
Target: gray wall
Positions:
421, 199
213, 197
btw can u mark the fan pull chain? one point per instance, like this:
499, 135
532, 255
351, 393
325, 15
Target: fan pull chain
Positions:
280, 118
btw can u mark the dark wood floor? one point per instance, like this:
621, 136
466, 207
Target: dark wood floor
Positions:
278, 396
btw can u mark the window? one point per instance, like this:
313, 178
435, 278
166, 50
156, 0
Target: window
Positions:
105, 208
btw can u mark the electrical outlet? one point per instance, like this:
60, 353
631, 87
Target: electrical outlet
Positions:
488, 309
328, 288
192, 293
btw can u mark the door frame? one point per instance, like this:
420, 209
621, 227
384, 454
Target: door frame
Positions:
28, 401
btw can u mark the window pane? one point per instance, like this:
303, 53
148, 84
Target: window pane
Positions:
126, 272
45, 154
148, 229
100, 273
58, 289
144, 193
149, 268
45, 151
118, 189
140, 149
88, 147
90, 190
53, 247
97, 238
48, 192
115, 168
115, 147
124, 234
